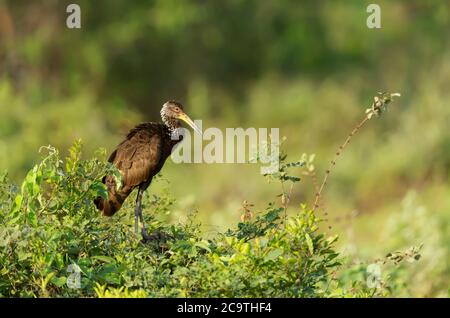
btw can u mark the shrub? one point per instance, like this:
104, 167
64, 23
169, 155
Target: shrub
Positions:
54, 243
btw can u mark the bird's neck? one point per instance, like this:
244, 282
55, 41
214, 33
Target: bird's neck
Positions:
174, 131
172, 124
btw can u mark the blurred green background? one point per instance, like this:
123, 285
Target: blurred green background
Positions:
308, 67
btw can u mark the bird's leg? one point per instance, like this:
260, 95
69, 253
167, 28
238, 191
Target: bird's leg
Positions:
143, 230
137, 210
138, 214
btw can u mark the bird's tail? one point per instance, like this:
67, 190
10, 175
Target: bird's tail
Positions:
110, 205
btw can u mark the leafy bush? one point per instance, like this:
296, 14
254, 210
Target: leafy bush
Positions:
55, 243
51, 230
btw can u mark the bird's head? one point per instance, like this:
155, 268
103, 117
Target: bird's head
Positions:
172, 112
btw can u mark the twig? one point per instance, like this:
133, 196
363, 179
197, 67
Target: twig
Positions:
378, 106
333, 162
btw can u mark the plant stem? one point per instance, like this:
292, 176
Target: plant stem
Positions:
333, 162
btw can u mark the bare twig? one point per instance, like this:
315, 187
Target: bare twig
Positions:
378, 106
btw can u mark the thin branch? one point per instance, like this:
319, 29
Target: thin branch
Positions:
333, 162
379, 105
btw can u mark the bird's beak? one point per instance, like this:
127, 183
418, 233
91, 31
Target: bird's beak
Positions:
190, 122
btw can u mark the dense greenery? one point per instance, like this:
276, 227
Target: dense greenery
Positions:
50, 225
307, 67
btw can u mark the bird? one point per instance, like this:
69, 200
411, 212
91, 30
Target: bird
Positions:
139, 157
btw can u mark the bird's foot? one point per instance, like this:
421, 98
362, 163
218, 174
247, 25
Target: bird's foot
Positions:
159, 238
146, 237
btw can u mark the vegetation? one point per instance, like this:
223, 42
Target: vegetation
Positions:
306, 67
50, 228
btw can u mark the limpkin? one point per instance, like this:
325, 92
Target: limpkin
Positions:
140, 157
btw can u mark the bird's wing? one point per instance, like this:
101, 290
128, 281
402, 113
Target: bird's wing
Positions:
138, 157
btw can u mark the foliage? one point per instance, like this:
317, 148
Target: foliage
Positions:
51, 223
304, 67
416, 224
51, 227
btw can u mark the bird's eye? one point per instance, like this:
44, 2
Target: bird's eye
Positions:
177, 109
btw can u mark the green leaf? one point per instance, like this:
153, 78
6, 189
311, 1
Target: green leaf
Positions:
203, 245
295, 164
99, 190
59, 281
17, 203
103, 258
309, 242
274, 254
109, 274
32, 217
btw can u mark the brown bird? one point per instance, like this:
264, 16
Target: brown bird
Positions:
140, 157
